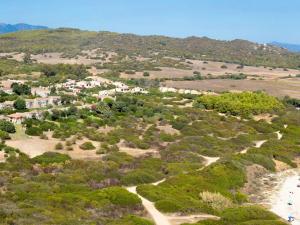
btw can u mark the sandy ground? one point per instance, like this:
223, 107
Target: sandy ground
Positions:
2, 158
278, 88
257, 144
168, 129
287, 192
137, 152
266, 116
209, 160
214, 68
279, 135
55, 58
34, 146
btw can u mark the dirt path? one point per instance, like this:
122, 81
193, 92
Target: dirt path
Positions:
209, 160
2, 158
163, 219
158, 217
258, 144
172, 219
279, 135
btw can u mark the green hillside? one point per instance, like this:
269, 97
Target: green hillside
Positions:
73, 40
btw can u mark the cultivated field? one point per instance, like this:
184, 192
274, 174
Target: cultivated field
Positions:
278, 88
214, 69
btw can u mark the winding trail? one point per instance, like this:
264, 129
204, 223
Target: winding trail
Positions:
163, 219
258, 144
158, 217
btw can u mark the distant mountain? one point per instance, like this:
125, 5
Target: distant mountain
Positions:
290, 47
9, 28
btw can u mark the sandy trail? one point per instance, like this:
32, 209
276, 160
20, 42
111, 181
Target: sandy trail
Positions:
2, 158
158, 217
279, 135
287, 192
209, 160
163, 219
258, 144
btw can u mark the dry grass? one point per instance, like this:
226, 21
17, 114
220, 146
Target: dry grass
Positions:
137, 152
214, 69
278, 88
216, 200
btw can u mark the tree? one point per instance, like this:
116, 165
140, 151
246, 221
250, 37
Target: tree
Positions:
27, 58
67, 99
7, 126
146, 74
21, 89
20, 104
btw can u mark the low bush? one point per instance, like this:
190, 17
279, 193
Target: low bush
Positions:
87, 146
51, 157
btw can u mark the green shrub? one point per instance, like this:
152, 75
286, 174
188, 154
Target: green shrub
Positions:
34, 131
120, 196
7, 126
51, 157
146, 74
59, 146
87, 146
167, 206
243, 104
246, 213
4, 135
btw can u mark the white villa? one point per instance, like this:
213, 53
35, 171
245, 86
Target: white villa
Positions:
18, 118
42, 102
40, 91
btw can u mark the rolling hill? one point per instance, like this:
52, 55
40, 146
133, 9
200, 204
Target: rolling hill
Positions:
72, 41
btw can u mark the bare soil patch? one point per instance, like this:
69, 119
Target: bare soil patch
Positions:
34, 146
137, 152
266, 117
281, 166
215, 69
252, 187
168, 129
2, 158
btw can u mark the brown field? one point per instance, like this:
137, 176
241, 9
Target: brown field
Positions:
214, 69
279, 88
86, 57
34, 146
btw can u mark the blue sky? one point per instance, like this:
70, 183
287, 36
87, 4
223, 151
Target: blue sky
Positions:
256, 20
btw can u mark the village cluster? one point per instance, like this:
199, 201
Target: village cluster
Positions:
43, 100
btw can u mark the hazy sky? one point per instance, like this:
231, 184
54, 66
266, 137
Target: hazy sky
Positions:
256, 20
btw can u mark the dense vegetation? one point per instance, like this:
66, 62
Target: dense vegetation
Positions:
244, 104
